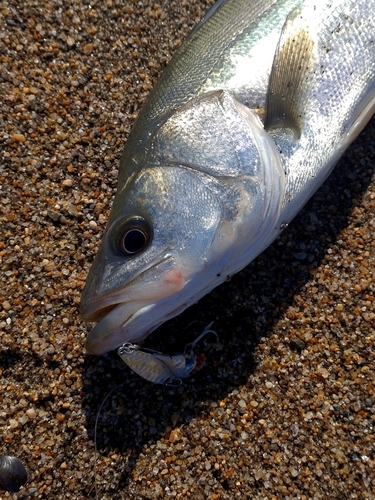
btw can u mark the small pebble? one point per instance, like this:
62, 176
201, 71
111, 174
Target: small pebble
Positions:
297, 343
18, 138
31, 413
6, 305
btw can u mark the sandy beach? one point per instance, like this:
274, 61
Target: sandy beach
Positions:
284, 407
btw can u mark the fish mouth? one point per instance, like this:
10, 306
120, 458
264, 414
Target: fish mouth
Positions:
132, 312
95, 305
116, 327
98, 314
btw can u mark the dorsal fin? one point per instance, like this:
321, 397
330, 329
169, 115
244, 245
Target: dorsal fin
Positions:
291, 74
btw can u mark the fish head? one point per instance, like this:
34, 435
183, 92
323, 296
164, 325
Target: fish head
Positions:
207, 190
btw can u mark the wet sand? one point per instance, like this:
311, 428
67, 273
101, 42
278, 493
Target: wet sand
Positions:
285, 404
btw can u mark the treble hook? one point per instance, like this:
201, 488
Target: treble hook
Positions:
188, 351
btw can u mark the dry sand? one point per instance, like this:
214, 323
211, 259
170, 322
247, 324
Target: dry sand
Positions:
285, 406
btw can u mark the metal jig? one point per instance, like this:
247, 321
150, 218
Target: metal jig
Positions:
160, 368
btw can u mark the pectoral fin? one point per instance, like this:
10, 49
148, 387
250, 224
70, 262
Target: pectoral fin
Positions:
291, 75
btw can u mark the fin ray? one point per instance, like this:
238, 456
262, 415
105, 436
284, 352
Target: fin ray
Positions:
292, 70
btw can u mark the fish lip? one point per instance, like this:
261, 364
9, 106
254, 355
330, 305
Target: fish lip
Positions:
116, 336
93, 310
108, 335
98, 314
132, 311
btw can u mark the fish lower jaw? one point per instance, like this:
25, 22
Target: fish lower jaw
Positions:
115, 328
97, 315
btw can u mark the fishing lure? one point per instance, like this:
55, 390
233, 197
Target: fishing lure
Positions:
160, 368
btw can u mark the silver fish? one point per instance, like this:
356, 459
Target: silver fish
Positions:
248, 120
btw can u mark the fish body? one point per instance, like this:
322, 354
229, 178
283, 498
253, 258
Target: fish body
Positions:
245, 124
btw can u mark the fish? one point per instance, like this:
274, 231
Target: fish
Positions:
247, 121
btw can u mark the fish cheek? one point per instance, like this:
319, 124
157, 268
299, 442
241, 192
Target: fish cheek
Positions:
184, 208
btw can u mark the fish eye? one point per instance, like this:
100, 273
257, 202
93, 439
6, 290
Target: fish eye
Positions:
132, 236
